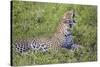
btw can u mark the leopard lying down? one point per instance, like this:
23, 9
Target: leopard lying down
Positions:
61, 39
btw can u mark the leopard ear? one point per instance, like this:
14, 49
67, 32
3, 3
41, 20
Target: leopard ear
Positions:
73, 13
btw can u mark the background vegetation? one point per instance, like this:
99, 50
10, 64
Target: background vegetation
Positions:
32, 19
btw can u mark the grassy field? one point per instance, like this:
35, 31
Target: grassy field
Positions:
32, 19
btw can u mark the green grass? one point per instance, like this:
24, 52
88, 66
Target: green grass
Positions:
31, 19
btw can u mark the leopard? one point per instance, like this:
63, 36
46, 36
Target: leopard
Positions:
62, 38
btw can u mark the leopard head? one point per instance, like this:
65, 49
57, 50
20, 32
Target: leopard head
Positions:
68, 18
